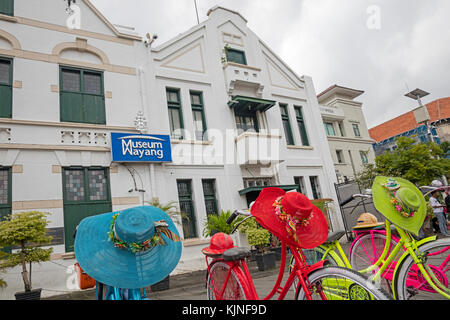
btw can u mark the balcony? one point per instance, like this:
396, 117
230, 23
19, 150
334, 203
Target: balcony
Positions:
242, 75
258, 149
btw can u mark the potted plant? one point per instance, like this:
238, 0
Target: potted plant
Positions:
171, 209
260, 239
218, 223
275, 246
25, 231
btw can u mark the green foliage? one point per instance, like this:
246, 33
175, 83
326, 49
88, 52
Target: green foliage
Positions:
219, 223
258, 238
247, 225
170, 208
256, 235
3, 255
366, 177
225, 50
445, 147
322, 204
419, 163
27, 231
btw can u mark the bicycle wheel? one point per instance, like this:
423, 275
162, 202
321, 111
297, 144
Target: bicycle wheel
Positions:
337, 283
367, 250
410, 283
236, 285
316, 255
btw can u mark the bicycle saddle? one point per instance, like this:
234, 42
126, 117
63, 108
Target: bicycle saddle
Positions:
236, 254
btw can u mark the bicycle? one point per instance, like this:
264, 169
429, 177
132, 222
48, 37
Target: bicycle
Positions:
228, 276
407, 272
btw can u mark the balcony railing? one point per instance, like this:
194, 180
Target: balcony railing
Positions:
239, 74
258, 149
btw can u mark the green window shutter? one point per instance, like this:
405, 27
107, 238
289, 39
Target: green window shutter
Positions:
7, 7
198, 114
187, 206
236, 56
209, 192
71, 107
6, 76
301, 126
94, 109
286, 124
356, 130
82, 97
175, 113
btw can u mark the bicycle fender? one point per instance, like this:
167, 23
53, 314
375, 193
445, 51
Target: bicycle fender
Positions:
402, 259
318, 265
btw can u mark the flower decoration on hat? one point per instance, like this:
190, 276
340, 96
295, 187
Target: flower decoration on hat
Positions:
393, 188
291, 222
161, 227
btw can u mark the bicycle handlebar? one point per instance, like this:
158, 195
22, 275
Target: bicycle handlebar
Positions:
237, 213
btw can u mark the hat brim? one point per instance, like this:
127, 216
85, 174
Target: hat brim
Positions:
381, 200
369, 225
309, 236
118, 267
217, 252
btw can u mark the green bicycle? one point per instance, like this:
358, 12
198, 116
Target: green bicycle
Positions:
409, 268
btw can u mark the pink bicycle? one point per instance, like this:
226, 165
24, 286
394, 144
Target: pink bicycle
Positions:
408, 268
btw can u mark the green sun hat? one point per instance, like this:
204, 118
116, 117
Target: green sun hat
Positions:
401, 202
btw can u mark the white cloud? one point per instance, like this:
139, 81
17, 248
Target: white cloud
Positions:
329, 40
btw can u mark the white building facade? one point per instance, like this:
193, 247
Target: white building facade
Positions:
239, 119
346, 129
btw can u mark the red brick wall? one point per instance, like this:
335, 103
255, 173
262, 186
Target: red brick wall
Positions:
439, 109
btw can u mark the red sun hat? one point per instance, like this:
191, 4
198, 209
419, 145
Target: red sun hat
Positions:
219, 243
291, 217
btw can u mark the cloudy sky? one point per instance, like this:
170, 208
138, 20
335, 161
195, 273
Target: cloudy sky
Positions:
379, 46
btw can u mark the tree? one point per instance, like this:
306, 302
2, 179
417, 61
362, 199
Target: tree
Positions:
445, 146
419, 163
27, 231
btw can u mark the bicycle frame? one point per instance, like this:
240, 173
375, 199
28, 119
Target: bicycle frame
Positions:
301, 270
387, 268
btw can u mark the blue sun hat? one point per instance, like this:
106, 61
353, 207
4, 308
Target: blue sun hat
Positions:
128, 249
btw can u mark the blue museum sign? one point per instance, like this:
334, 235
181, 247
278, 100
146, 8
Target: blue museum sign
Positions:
129, 147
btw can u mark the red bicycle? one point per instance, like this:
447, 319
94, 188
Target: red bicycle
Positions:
229, 277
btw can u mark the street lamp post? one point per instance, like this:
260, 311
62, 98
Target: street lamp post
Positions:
422, 116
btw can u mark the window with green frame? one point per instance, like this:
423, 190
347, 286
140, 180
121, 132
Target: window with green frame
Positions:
364, 158
7, 7
301, 125
286, 124
246, 122
198, 114
236, 56
300, 182
329, 129
86, 185
6, 79
209, 192
82, 97
187, 206
175, 113
5, 196
356, 130
315, 186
